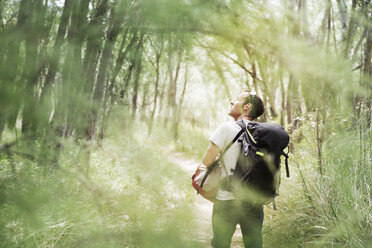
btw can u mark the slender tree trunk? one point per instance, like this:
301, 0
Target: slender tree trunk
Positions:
289, 109
13, 62
122, 55
282, 90
254, 77
319, 142
56, 53
302, 10
138, 70
145, 101
357, 46
93, 49
106, 109
132, 65
329, 20
31, 71
173, 95
179, 105
132, 62
156, 86
350, 29
127, 79
162, 97
267, 92
112, 34
342, 9
1, 13
109, 93
367, 71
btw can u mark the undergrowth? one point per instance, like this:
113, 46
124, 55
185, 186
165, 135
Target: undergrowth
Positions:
132, 197
328, 208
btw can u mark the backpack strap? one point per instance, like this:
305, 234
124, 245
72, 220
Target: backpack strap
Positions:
232, 142
215, 163
286, 161
243, 126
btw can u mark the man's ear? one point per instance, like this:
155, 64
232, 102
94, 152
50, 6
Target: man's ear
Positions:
247, 108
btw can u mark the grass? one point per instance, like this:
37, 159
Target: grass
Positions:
332, 209
133, 197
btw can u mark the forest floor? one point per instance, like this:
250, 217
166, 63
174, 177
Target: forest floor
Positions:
202, 207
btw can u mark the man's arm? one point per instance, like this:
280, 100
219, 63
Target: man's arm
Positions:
211, 154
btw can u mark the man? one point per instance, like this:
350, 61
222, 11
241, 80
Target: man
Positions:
227, 211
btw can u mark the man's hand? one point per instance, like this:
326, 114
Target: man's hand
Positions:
211, 154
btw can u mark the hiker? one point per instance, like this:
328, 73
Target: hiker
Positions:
227, 210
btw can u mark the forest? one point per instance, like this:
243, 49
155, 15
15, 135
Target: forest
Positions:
97, 95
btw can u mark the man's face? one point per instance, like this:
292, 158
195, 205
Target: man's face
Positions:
236, 106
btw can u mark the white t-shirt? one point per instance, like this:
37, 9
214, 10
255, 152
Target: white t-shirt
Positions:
224, 134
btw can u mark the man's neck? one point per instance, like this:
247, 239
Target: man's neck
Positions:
243, 117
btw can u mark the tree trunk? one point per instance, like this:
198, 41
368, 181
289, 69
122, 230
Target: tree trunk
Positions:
319, 142
342, 9
367, 72
131, 67
109, 93
12, 62
302, 11
156, 86
93, 49
162, 97
145, 103
350, 29
31, 71
282, 90
289, 108
72, 79
138, 70
179, 105
173, 94
122, 55
267, 92
1, 13
56, 53
112, 34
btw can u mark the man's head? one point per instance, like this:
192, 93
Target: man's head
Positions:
246, 105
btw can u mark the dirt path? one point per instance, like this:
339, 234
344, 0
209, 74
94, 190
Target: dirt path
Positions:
203, 207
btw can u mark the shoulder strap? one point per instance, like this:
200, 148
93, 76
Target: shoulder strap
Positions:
233, 141
286, 161
211, 167
249, 136
215, 163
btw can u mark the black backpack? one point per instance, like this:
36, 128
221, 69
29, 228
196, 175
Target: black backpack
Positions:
256, 176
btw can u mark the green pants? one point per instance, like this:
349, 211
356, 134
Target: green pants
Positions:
227, 214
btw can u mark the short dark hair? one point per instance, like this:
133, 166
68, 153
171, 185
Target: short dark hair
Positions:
258, 107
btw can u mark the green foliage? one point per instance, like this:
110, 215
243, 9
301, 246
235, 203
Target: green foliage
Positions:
332, 209
193, 142
132, 198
